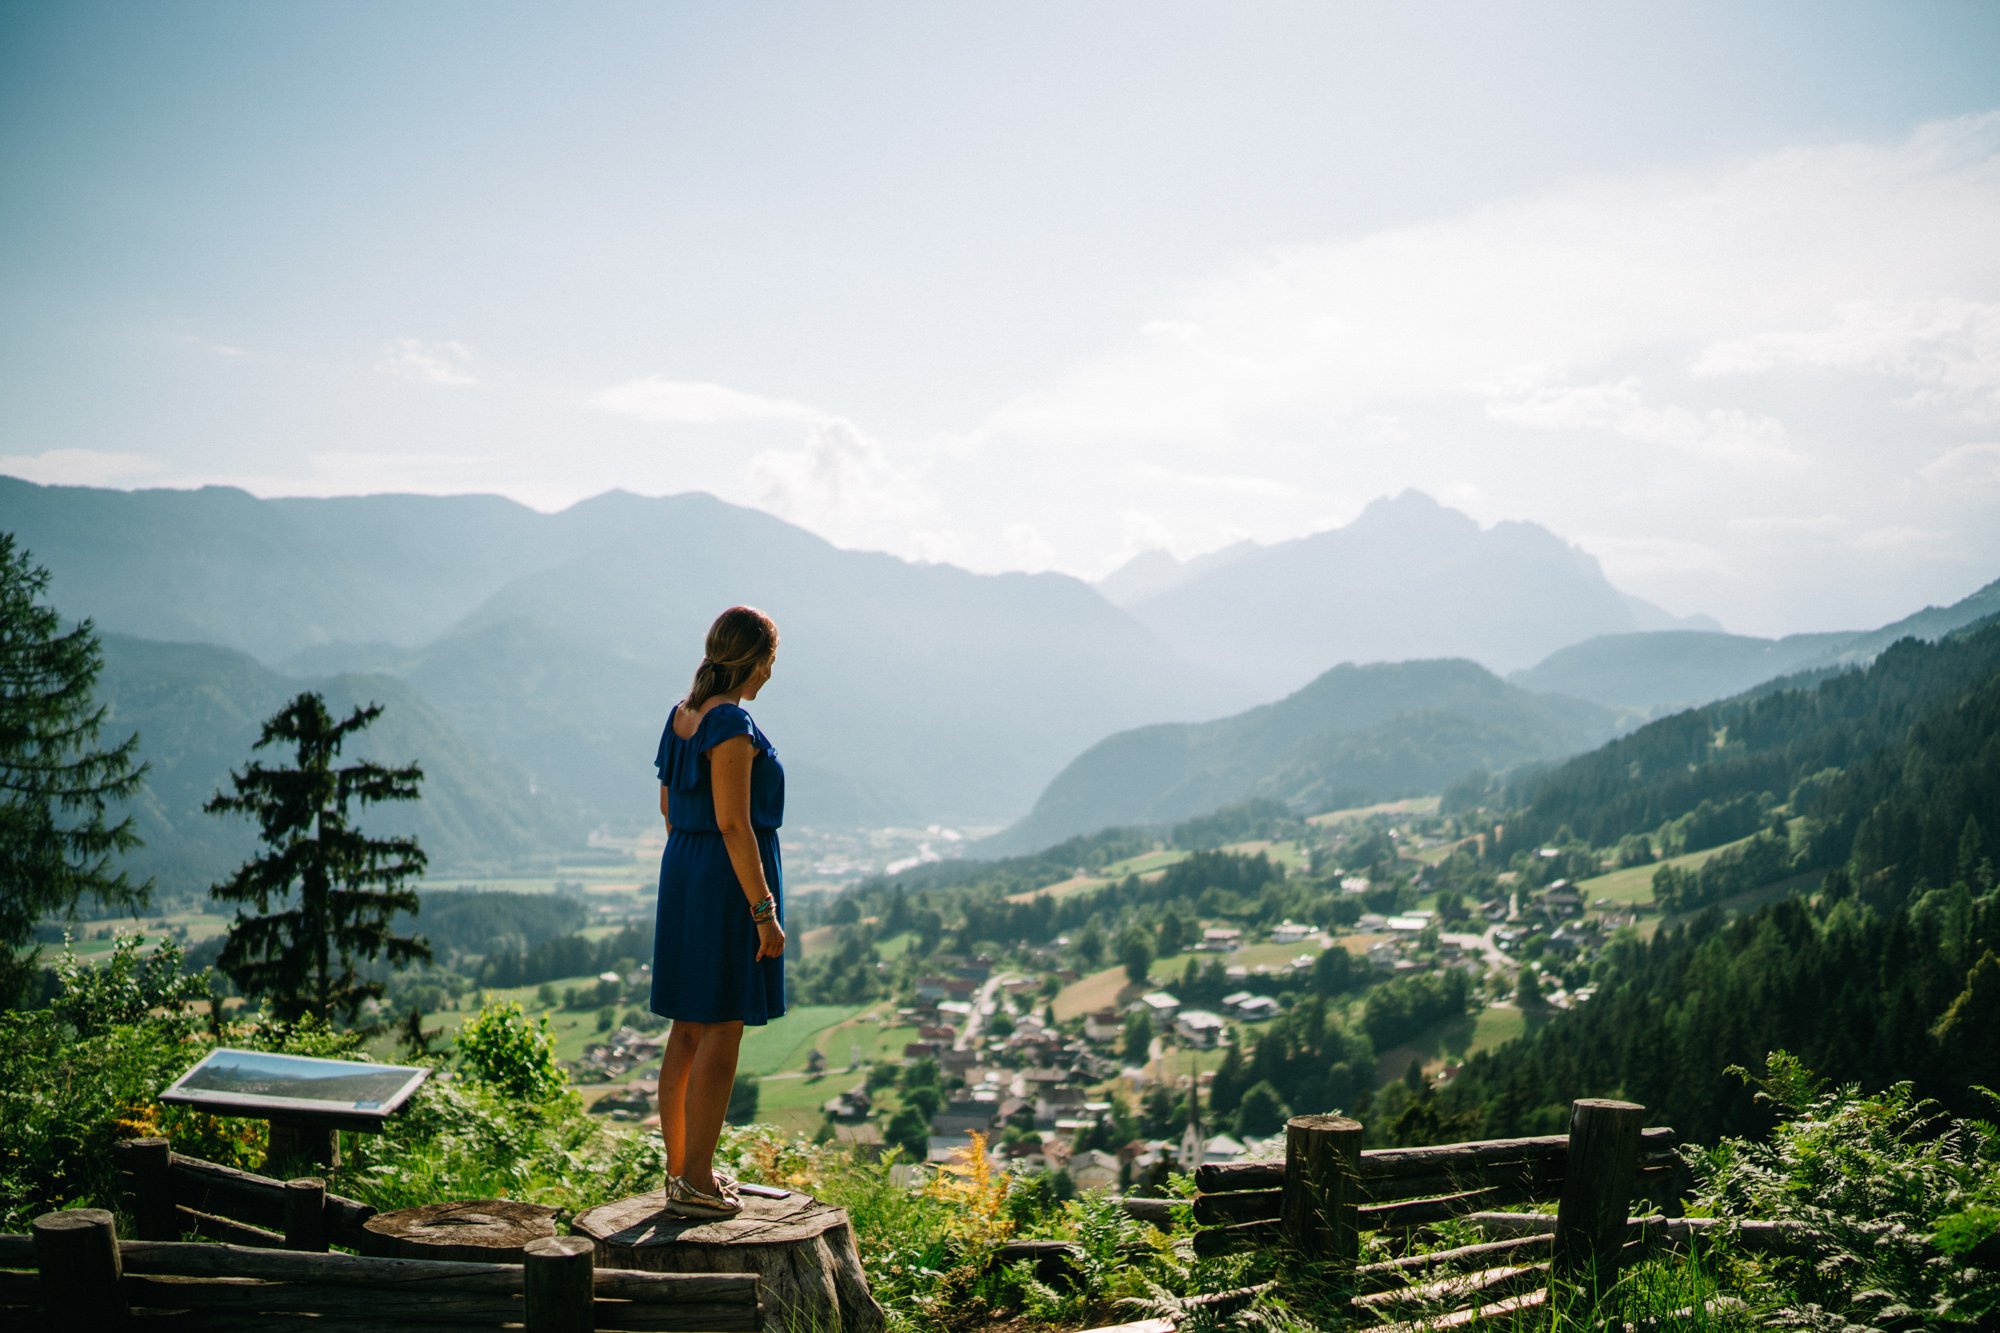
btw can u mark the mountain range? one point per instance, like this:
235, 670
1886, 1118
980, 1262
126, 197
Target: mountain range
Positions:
1641, 675
1408, 579
535, 655
1356, 735
1360, 734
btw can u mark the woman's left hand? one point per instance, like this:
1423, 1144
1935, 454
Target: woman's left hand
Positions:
770, 939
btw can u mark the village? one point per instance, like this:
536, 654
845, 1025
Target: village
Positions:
1104, 1079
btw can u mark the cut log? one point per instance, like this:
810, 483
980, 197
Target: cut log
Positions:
802, 1251
495, 1231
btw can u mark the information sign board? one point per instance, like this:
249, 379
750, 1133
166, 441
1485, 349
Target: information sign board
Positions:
296, 1089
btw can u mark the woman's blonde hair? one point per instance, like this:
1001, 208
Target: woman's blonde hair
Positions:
741, 640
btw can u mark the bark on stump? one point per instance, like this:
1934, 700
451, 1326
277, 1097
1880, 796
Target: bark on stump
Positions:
802, 1251
493, 1231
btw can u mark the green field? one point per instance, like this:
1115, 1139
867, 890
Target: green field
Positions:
1414, 805
1634, 884
1455, 1040
1143, 863
1290, 855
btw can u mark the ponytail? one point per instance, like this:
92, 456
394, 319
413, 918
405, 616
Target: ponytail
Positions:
741, 639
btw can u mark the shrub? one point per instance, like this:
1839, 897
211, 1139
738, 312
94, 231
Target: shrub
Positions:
504, 1049
1892, 1190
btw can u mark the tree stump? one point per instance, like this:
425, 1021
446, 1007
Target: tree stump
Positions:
802, 1251
494, 1231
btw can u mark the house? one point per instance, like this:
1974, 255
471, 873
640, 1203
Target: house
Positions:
1058, 1103
1290, 932
963, 1116
1220, 939
1198, 1027
937, 1032
854, 1104
1160, 1006
942, 1148
1234, 1000
920, 1050
865, 1138
1355, 884
1372, 921
1258, 1008
1563, 900
1103, 1025
1093, 1169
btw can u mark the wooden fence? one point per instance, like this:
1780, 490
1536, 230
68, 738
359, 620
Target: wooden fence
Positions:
1326, 1192
74, 1273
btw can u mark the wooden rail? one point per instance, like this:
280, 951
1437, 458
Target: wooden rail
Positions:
170, 1195
1326, 1192
73, 1273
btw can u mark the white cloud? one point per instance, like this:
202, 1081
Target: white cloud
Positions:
1898, 538
1599, 358
447, 363
80, 467
668, 402
1948, 348
227, 351
842, 485
1968, 468
1723, 434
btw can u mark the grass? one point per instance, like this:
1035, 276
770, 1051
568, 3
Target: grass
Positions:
1290, 855
1455, 1040
787, 1042
1634, 884
1414, 805
1062, 888
1088, 994
1143, 863
1269, 954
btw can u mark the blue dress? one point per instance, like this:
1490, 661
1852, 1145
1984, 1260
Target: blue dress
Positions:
704, 942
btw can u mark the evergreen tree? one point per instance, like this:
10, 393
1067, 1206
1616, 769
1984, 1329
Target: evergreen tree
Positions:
56, 783
1135, 952
336, 891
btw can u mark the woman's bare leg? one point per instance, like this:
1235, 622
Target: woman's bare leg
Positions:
706, 1101
682, 1042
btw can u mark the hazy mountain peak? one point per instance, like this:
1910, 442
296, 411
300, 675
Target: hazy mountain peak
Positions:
1411, 508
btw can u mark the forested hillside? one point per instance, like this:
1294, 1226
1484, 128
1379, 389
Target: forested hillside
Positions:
198, 710
1891, 778
1788, 738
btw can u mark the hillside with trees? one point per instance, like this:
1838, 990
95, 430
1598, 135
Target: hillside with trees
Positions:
1879, 967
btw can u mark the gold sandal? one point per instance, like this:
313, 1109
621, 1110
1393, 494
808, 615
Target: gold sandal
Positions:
684, 1200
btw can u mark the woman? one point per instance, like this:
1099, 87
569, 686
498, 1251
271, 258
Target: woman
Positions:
719, 942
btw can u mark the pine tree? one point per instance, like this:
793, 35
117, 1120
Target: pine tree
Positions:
336, 891
56, 783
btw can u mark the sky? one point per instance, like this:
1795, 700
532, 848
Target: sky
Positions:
1710, 289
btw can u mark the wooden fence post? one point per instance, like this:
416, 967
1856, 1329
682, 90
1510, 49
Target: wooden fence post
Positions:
560, 1284
1599, 1174
77, 1253
305, 1215
145, 1166
1320, 1216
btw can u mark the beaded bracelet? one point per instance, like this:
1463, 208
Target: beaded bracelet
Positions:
764, 910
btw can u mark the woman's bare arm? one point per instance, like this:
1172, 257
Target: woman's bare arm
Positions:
729, 777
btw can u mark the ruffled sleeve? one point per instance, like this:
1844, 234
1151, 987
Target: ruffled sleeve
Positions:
724, 722
679, 761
